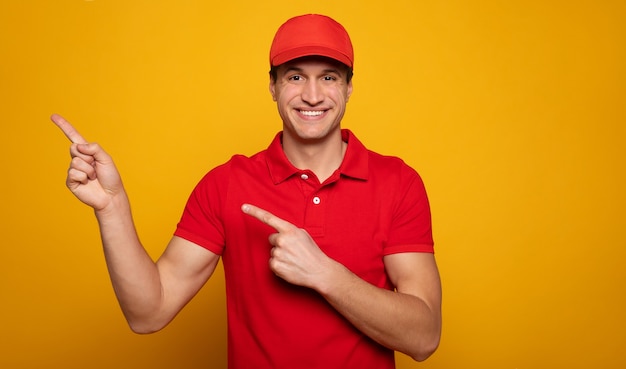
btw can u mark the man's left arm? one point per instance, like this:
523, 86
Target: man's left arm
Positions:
407, 320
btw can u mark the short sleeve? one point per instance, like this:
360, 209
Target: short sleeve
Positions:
202, 220
411, 225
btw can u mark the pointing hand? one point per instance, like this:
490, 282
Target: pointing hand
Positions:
92, 176
294, 257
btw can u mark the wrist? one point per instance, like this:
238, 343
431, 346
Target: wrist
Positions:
117, 205
333, 275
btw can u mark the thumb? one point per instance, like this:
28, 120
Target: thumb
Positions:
94, 150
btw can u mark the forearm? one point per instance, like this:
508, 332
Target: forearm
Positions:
399, 321
94, 180
134, 275
408, 320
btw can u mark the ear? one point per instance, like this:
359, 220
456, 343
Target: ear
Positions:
273, 89
349, 91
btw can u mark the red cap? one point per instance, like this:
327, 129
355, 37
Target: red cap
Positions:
311, 34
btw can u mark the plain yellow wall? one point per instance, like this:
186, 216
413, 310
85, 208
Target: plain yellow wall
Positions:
512, 111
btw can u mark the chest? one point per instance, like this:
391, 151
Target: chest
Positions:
348, 219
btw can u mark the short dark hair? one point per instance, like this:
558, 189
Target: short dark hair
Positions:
274, 73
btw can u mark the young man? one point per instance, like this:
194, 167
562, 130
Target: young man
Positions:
327, 247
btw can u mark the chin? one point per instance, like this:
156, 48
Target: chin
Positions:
313, 134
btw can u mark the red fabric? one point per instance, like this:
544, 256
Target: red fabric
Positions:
372, 206
311, 34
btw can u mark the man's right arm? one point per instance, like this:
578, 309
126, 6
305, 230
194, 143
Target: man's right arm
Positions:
150, 294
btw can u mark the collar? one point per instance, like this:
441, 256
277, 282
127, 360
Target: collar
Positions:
354, 164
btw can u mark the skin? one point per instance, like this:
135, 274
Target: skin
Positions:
311, 96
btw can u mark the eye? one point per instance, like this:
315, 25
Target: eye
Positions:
329, 78
295, 78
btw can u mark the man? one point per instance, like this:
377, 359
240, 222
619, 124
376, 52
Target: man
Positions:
327, 247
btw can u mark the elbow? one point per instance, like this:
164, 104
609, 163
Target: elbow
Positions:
427, 341
146, 321
145, 326
423, 355
143, 329
425, 349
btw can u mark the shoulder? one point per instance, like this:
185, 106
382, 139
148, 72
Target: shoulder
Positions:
217, 179
393, 166
366, 163
237, 162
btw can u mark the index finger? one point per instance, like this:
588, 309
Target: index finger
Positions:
268, 218
69, 130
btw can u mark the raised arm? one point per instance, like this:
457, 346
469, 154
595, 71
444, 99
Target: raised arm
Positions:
407, 320
150, 294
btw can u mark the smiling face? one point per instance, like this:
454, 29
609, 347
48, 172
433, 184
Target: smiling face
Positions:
311, 94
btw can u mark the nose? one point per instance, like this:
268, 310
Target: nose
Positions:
312, 93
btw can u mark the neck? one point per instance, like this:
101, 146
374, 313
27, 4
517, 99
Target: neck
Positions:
322, 157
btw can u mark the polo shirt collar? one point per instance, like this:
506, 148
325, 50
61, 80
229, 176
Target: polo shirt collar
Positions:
354, 165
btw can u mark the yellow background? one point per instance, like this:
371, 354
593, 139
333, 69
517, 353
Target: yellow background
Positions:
512, 111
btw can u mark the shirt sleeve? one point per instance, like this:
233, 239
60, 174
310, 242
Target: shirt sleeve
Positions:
202, 221
411, 229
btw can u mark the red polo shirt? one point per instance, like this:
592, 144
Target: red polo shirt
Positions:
372, 206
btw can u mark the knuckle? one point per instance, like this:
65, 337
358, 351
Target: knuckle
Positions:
74, 175
266, 217
280, 242
74, 149
273, 265
76, 161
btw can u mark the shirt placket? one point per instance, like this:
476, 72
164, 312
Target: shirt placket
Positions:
315, 204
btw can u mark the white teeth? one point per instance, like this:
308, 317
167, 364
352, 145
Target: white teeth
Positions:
311, 113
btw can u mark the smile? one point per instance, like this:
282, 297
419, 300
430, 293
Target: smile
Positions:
311, 113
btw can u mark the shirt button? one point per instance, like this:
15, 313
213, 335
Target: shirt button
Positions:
316, 200
304, 176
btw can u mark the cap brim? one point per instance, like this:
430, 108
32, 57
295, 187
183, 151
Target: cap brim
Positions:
303, 51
